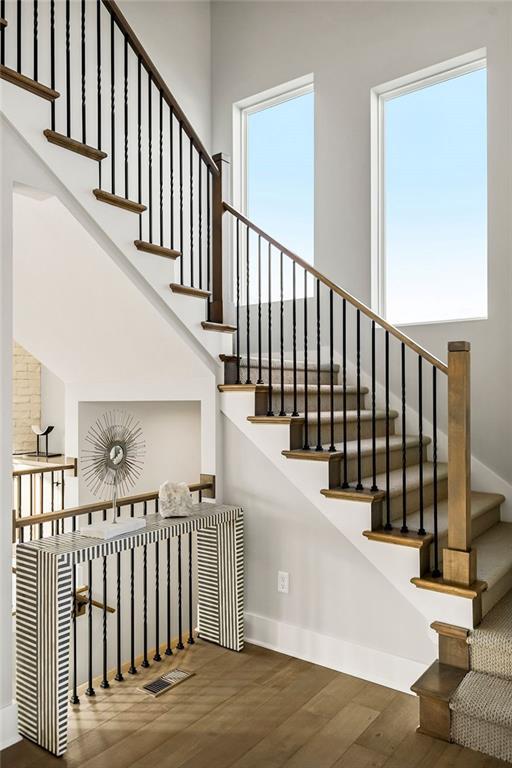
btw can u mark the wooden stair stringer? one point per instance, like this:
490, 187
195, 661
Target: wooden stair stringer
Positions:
396, 564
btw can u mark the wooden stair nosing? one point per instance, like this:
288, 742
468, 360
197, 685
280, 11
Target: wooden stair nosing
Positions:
395, 536
242, 387
207, 325
32, 86
352, 494
450, 630
60, 140
157, 250
449, 588
276, 420
187, 290
439, 681
118, 201
313, 455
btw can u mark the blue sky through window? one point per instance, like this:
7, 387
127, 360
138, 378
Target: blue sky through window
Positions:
435, 201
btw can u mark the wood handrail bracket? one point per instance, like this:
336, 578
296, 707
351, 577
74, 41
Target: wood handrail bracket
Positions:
425, 354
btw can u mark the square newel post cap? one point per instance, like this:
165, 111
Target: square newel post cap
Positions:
459, 346
222, 157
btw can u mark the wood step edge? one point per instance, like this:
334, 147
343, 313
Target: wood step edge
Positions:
242, 387
395, 536
61, 140
351, 494
439, 681
450, 630
187, 290
32, 86
276, 420
157, 250
312, 455
118, 201
207, 325
448, 587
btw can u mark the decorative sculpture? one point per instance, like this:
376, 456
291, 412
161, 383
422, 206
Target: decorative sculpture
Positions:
174, 500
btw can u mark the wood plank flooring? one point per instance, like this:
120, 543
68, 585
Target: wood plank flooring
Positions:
256, 709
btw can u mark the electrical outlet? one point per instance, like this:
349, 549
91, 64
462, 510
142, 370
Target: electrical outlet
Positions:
283, 582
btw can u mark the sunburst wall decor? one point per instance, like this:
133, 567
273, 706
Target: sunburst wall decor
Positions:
113, 458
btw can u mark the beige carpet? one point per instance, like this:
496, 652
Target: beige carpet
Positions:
491, 642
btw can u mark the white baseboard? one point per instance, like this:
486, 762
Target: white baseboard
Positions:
335, 653
9, 725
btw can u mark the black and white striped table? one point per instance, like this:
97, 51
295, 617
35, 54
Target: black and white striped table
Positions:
44, 605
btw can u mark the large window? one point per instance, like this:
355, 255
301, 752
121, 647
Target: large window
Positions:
430, 195
274, 163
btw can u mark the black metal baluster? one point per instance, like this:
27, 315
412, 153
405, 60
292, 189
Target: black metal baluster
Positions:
157, 656
98, 79
161, 147
344, 384
31, 478
359, 486
82, 63
294, 338
374, 430
332, 447
139, 139
282, 411
74, 676
21, 533
41, 501
179, 644
90, 690
270, 411
319, 446
150, 157
208, 225
112, 105
52, 60
181, 202
190, 640
238, 381
421, 531
36, 38
306, 394
171, 178
104, 683
260, 379
436, 571
145, 662
191, 174
388, 525
247, 305
18, 34
126, 145
119, 674
52, 499
168, 650
2, 33
68, 69
404, 528
132, 670
200, 220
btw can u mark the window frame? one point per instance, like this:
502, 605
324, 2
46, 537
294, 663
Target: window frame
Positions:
379, 95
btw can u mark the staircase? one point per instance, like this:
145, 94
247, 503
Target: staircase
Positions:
343, 403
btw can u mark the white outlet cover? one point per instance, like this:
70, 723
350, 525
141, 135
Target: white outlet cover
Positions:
283, 582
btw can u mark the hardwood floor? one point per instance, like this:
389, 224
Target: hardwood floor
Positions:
256, 709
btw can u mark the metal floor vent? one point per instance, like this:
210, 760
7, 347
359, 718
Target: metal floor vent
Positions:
166, 682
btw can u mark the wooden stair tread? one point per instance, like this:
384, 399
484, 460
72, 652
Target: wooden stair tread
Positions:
480, 504
395, 483
351, 494
118, 201
439, 681
275, 419
395, 444
449, 588
395, 536
38, 89
60, 140
219, 327
157, 250
187, 290
242, 387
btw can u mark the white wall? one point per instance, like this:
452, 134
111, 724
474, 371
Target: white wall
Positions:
176, 36
53, 408
351, 47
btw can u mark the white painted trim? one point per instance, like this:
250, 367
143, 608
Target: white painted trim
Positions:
9, 734
424, 78
333, 652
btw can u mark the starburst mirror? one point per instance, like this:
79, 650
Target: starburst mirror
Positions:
113, 458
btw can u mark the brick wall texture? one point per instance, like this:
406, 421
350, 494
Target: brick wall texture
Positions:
26, 398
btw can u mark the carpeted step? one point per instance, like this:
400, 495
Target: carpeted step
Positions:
230, 371
494, 563
482, 715
491, 642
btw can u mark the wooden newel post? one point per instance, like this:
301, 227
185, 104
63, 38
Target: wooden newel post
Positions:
459, 560
219, 194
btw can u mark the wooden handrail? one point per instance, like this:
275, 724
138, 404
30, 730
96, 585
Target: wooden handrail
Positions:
425, 354
45, 468
157, 78
98, 506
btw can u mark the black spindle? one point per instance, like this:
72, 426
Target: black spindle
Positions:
2, 34
179, 644
282, 411
248, 305
294, 338
319, 446
270, 411
238, 381
157, 656
112, 105
68, 68
36, 38
404, 528
171, 177
306, 393
332, 447
126, 145
119, 673
200, 220
139, 139
191, 223
150, 156
98, 79
104, 683
435, 572
421, 531
388, 525
161, 159
18, 33
359, 486
168, 650
374, 429
181, 200
260, 379
145, 662
132, 670
344, 385
82, 66
74, 696
190, 640
90, 690
208, 227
